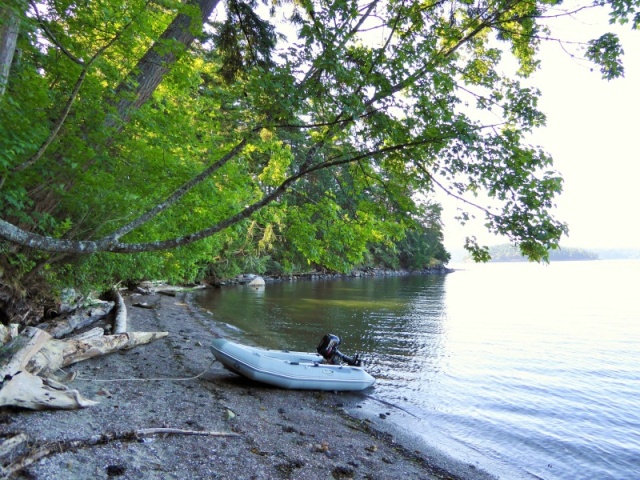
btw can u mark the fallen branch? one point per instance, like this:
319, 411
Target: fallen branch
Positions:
144, 432
8, 447
39, 452
143, 305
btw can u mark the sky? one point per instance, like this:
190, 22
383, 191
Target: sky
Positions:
593, 135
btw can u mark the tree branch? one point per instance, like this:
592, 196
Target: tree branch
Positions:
76, 89
450, 193
179, 193
16, 235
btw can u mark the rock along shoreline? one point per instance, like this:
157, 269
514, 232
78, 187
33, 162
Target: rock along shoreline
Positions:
316, 275
175, 383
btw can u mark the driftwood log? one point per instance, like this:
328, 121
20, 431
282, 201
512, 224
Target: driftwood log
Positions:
78, 319
162, 288
56, 354
8, 333
120, 321
30, 360
21, 388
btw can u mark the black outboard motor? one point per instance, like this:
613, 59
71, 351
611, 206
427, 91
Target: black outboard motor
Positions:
328, 348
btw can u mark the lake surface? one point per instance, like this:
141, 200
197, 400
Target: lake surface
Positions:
525, 370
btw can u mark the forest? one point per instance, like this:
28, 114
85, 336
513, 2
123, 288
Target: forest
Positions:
178, 140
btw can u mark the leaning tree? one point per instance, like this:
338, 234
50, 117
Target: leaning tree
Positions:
169, 129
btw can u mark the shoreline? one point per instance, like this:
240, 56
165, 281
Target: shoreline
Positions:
243, 279
175, 383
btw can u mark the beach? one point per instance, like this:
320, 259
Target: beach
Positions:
255, 431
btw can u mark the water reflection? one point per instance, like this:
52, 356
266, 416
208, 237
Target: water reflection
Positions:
391, 320
524, 364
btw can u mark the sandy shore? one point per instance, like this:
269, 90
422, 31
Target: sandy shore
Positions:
281, 434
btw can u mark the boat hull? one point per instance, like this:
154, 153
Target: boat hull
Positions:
291, 370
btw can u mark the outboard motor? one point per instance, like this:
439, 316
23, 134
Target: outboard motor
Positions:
328, 348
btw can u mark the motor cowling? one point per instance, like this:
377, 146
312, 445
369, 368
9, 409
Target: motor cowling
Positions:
328, 348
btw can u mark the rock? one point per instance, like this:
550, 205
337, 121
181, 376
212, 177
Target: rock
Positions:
245, 278
257, 281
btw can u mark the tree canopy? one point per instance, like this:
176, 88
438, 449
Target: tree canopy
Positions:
187, 132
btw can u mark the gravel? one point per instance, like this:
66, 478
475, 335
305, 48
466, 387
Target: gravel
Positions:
175, 382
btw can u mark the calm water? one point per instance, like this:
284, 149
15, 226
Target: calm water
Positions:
528, 371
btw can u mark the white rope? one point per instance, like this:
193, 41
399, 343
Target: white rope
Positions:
179, 379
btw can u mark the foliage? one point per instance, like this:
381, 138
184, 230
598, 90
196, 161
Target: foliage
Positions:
194, 147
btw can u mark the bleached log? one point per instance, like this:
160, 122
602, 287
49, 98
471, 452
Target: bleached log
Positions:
165, 289
5, 334
57, 354
15, 355
21, 388
81, 318
94, 332
120, 321
36, 393
8, 333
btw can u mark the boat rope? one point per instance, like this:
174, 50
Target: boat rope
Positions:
389, 404
172, 379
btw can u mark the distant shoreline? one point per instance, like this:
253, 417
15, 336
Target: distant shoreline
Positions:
357, 273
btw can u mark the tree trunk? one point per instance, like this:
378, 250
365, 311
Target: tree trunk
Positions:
136, 89
9, 28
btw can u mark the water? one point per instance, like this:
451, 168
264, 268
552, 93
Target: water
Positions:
528, 371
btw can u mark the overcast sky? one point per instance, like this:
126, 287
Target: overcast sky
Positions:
593, 134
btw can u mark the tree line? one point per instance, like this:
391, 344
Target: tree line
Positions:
174, 139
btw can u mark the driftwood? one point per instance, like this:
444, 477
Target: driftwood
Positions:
143, 305
29, 362
120, 322
57, 354
34, 356
81, 318
46, 449
8, 333
162, 288
11, 444
23, 389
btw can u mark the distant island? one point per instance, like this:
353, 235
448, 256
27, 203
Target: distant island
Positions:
509, 253
618, 253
